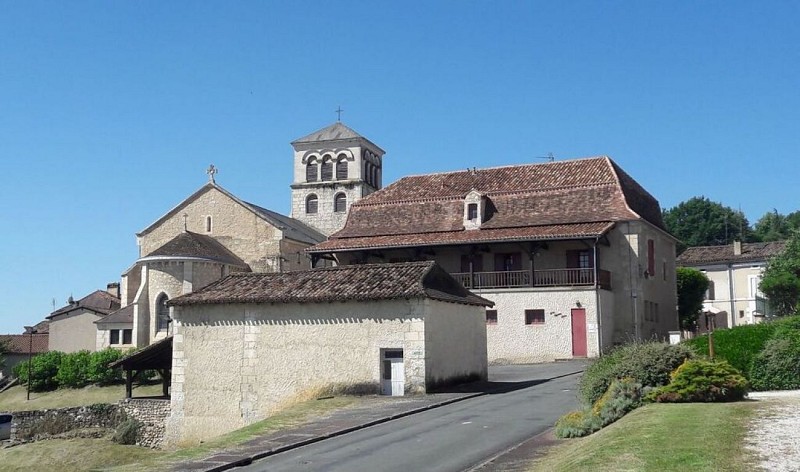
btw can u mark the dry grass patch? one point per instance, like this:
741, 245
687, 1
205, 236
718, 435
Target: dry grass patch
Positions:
68, 455
14, 399
663, 437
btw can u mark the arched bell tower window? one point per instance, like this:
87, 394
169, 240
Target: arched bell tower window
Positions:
312, 204
341, 167
326, 168
162, 312
340, 203
311, 170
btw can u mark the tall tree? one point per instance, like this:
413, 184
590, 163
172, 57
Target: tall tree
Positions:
701, 222
772, 227
781, 280
692, 286
793, 220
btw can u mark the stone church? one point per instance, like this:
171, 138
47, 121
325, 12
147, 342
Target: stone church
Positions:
213, 233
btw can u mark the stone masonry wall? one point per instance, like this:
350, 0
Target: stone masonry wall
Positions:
152, 413
27, 426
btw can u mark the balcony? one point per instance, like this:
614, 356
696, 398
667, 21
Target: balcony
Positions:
541, 278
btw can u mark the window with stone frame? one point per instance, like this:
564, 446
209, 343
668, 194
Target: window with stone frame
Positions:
340, 203
162, 312
341, 167
127, 336
326, 170
472, 211
114, 336
312, 204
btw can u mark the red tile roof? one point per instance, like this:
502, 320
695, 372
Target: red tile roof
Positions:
751, 252
558, 200
344, 283
19, 343
99, 301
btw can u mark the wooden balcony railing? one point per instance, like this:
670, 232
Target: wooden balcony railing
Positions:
541, 278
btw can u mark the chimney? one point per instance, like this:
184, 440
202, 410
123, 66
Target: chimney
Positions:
113, 289
737, 248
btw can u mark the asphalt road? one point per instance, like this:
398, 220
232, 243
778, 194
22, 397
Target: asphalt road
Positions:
455, 437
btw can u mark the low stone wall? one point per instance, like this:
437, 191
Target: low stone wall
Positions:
33, 425
152, 413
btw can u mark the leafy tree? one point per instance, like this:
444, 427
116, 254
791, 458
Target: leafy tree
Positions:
793, 220
692, 286
781, 280
701, 222
772, 227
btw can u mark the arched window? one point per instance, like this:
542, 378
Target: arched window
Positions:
340, 203
341, 167
311, 170
162, 312
312, 203
327, 168
368, 173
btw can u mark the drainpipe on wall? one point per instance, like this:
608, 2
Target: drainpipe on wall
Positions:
598, 308
730, 294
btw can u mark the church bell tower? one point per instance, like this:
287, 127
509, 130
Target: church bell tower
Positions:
333, 168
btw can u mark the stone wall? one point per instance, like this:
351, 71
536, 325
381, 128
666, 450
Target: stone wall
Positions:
27, 426
152, 413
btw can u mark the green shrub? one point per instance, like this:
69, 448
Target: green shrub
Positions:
646, 363
99, 372
577, 424
700, 380
738, 346
44, 368
621, 397
127, 432
73, 370
777, 367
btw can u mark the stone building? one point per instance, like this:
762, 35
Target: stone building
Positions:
249, 343
574, 254
72, 327
734, 272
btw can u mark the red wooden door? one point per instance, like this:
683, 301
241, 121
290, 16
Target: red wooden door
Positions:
579, 332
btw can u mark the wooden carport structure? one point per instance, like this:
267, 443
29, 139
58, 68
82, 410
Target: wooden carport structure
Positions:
157, 356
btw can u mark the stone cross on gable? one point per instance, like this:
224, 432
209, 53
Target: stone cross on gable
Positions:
211, 172
339, 114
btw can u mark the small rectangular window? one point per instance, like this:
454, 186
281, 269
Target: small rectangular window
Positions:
534, 317
208, 224
491, 317
114, 336
127, 336
472, 211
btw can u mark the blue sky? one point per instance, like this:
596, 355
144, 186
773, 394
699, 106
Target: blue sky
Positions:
110, 112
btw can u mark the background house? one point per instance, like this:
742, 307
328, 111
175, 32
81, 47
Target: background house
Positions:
72, 327
574, 254
734, 272
19, 346
250, 342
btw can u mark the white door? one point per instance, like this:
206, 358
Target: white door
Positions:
393, 376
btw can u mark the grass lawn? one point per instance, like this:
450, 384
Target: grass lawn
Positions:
663, 437
13, 399
67, 455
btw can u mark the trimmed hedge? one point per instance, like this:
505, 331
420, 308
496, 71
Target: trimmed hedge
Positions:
738, 346
777, 367
55, 369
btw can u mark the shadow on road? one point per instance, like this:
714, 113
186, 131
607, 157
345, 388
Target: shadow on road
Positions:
496, 387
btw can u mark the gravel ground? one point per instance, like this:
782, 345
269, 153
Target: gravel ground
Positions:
775, 434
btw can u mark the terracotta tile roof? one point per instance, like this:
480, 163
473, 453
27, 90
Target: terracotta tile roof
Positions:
155, 356
751, 252
533, 233
123, 315
99, 301
189, 244
553, 197
344, 283
19, 343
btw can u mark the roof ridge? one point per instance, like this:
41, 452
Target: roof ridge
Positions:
488, 193
531, 164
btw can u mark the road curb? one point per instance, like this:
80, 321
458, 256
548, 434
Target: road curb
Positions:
249, 459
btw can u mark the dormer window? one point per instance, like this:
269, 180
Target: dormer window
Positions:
474, 210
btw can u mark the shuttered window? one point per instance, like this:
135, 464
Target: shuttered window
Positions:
327, 169
311, 172
312, 204
341, 168
340, 203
